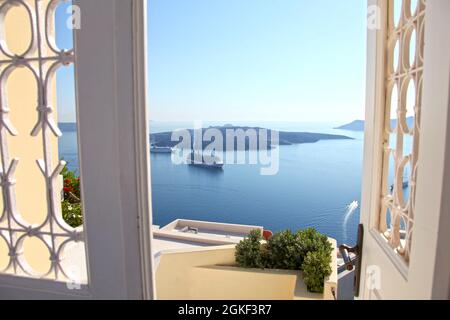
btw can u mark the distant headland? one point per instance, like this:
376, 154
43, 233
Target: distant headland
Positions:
358, 125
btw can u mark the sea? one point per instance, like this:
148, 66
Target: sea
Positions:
318, 185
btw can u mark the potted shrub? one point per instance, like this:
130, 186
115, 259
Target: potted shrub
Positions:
306, 250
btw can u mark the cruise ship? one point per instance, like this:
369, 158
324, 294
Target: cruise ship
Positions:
205, 161
156, 149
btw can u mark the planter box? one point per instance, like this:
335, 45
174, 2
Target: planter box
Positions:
232, 283
208, 273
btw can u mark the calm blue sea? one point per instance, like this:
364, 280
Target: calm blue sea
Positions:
313, 188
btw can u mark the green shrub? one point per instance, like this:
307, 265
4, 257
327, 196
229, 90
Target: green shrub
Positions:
307, 250
315, 267
283, 251
71, 205
310, 240
72, 213
249, 252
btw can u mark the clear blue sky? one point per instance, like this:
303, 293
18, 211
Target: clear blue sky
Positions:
259, 60
65, 75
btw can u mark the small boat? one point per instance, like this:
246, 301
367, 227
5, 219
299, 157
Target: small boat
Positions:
156, 149
205, 161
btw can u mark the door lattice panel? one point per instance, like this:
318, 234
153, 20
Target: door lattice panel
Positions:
405, 47
42, 59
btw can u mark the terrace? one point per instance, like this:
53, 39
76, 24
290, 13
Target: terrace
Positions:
196, 260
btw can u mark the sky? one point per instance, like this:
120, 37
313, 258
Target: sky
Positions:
249, 60
65, 84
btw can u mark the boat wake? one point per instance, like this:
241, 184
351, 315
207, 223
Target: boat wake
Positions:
351, 208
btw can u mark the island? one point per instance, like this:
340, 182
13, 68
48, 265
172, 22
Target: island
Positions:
164, 139
358, 125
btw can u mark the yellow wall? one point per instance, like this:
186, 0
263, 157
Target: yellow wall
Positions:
231, 283
172, 275
208, 273
22, 102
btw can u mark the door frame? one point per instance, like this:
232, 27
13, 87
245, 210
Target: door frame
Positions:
428, 275
120, 226
113, 144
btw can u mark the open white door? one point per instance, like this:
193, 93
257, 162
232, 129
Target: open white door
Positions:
110, 66
406, 176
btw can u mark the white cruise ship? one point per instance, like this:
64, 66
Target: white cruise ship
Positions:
206, 161
156, 149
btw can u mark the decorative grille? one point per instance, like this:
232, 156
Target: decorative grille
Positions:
405, 47
42, 58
